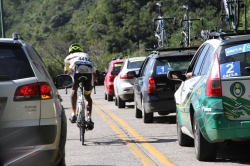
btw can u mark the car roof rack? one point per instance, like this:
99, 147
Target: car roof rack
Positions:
173, 49
212, 34
16, 36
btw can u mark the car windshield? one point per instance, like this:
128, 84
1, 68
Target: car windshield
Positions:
235, 60
134, 64
163, 65
14, 64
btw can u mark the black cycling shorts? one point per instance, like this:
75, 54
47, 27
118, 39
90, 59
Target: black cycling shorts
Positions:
87, 83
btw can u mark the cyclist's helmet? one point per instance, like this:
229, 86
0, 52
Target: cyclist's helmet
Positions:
75, 48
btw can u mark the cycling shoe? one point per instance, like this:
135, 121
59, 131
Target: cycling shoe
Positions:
90, 124
72, 119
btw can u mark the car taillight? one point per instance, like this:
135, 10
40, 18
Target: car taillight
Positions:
111, 78
151, 85
125, 76
35, 91
213, 86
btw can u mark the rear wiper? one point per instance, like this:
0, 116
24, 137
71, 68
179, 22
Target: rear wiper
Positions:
247, 68
4, 78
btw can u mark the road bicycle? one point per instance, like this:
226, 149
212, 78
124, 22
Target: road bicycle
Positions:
81, 109
161, 29
186, 24
230, 13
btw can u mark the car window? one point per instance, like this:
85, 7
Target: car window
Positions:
117, 67
208, 60
165, 64
148, 67
200, 60
37, 61
235, 60
144, 63
134, 64
123, 65
14, 64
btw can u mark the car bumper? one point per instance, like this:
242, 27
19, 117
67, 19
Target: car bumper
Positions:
218, 128
155, 104
35, 157
127, 97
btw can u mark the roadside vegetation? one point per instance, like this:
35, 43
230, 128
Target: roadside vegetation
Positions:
105, 28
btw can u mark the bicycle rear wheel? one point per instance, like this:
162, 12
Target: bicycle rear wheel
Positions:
82, 127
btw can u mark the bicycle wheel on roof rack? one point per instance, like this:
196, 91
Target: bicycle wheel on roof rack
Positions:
185, 29
236, 15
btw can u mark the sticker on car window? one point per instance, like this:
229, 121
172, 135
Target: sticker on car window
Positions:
231, 69
161, 70
237, 49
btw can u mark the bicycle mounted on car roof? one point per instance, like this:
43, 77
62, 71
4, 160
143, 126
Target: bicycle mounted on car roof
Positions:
232, 16
161, 29
186, 28
230, 12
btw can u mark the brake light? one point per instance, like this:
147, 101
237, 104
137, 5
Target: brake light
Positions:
213, 86
126, 76
151, 85
35, 91
111, 78
45, 91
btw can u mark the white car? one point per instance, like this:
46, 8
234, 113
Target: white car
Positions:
33, 125
123, 83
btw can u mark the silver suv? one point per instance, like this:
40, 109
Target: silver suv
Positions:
33, 124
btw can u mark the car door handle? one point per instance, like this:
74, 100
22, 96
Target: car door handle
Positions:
191, 88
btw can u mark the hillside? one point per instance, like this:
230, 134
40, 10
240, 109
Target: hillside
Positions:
106, 28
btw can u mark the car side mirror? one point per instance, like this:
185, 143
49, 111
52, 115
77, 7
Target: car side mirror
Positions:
63, 81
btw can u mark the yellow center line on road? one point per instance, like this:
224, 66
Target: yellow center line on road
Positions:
149, 147
143, 158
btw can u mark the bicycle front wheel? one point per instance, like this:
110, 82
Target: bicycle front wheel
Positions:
82, 127
236, 15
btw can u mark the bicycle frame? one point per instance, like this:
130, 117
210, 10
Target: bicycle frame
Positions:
232, 10
161, 28
186, 29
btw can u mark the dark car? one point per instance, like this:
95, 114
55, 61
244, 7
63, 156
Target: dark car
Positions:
153, 91
33, 126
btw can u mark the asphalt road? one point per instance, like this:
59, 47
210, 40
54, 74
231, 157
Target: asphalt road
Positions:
120, 139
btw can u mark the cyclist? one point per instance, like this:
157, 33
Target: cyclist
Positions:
85, 68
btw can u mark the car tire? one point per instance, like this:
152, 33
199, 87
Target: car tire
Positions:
115, 101
138, 113
204, 150
110, 97
147, 117
183, 139
62, 160
105, 97
120, 103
